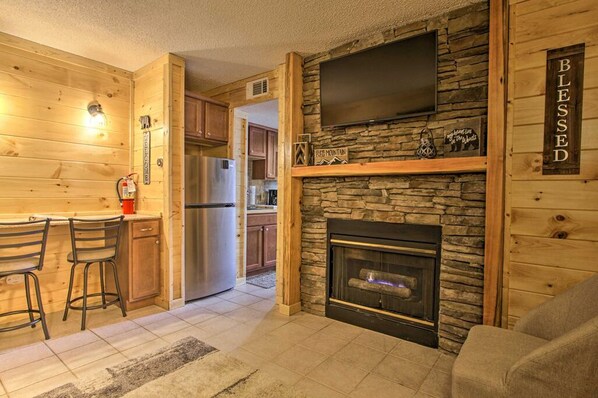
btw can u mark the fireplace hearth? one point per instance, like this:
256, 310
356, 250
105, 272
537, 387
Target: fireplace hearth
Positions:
385, 277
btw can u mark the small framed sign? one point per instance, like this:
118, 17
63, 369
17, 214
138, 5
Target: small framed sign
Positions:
331, 156
147, 157
463, 139
564, 102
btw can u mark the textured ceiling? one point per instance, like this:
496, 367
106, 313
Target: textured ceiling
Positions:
222, 40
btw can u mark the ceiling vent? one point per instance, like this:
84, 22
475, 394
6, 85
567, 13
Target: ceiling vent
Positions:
257, 88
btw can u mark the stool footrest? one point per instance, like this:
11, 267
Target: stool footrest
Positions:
21, 325
96, 306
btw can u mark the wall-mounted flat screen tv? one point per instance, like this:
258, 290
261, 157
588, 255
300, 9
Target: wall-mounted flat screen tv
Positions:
391, 81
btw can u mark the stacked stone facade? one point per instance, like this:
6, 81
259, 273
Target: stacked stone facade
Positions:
456, 202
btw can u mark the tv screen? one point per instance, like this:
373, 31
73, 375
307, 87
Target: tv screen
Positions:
392, 81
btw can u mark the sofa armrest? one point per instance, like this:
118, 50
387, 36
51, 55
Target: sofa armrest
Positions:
562, 313
565, 367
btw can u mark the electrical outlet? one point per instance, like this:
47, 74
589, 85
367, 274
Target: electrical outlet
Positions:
14, 279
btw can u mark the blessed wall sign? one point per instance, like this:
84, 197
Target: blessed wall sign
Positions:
564, 100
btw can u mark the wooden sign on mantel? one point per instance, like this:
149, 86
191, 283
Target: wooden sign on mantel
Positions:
331, 156
564, 101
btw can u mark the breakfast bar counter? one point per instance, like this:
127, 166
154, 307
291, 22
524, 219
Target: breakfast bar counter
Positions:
138, 261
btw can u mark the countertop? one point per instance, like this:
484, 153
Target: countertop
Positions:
262, 211
63, 220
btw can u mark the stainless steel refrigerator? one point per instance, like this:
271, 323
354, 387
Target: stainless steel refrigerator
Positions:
210, 236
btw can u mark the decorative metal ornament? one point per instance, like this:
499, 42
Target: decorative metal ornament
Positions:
426, 148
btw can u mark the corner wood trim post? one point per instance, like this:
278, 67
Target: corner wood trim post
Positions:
289, 216
495, 176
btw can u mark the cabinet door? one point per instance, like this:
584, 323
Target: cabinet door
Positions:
216, 122
254, 248
144, 277
272, 157
194, 117
270, 245
257, 142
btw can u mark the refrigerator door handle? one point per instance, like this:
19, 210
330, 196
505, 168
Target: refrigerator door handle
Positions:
208, 205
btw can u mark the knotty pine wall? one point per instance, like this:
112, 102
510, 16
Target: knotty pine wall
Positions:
538, 265
159, 93
51, 161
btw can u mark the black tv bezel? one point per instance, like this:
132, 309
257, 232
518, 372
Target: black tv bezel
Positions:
396, 117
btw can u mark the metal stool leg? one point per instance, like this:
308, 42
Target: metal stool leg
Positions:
42, 314
117, 285
28, 296
68, 296
84, 309
102, 288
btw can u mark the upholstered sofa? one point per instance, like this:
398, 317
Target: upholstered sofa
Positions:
551, 352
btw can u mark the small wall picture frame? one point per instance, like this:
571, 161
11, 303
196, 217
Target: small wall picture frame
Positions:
464, 138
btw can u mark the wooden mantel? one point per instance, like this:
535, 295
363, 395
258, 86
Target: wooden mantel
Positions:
401, 167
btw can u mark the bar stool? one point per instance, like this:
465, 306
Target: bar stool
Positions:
22, 249
94, 244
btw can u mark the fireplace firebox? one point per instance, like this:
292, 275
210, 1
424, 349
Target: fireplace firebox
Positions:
385, 277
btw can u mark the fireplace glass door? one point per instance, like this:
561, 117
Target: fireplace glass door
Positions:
389, 277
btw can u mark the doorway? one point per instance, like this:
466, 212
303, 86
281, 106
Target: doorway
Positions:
260, 123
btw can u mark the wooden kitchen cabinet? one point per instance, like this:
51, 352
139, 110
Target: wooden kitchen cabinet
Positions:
138, 263
267, 168
206, 120
194, 118
257, 142
254, 245
269, 251
261, 242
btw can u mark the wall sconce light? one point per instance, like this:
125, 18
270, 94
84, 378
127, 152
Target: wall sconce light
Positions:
97, 115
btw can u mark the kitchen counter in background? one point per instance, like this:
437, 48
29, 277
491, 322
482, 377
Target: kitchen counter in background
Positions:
261, 211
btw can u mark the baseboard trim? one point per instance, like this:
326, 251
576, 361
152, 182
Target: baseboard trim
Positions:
289, 309
178, 303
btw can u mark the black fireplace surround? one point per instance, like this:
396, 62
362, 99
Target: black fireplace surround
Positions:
385, 277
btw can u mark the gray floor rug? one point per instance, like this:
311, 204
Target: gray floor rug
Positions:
266, 280
187, 368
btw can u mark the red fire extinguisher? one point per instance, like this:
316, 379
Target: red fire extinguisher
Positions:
126, 193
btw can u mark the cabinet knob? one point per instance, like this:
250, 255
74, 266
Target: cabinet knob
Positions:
267, 229
146, 229
208, 134
157, 242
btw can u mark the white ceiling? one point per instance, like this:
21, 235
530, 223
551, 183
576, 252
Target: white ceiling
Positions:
222, 40
264, 113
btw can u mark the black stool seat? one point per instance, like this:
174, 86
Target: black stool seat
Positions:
94, 244
22, 250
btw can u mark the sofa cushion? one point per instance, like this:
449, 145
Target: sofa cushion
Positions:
481, 368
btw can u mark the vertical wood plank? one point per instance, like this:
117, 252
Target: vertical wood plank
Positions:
496, 160
289, 219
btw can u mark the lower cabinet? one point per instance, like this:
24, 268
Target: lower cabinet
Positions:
138, 263
261, 242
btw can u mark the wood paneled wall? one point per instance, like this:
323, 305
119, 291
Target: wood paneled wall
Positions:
538, 264
159, 93
51, 159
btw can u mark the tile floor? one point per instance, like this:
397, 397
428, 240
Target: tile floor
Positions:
320, 356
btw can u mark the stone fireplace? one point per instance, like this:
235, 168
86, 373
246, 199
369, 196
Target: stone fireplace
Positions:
453, 202
384, 276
